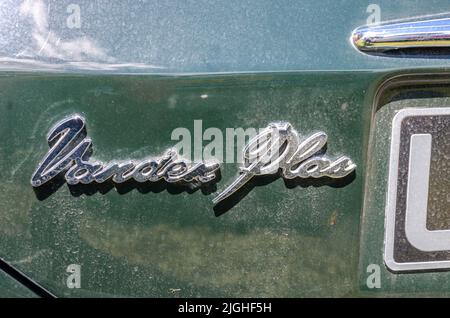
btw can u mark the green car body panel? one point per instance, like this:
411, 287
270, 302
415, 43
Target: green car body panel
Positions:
286, 62
11, 288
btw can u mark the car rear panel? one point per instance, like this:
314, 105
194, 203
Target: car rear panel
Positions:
226, 66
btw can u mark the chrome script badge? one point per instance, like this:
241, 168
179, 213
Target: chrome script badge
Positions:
279, 147
69, 153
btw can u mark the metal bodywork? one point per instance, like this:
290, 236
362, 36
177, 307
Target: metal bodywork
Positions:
158, 66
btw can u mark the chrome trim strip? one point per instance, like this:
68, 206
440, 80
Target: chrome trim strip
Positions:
433, 33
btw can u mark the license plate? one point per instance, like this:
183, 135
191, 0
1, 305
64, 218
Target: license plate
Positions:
417, 235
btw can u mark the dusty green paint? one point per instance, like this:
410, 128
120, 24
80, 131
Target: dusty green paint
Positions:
202, 36
10, 288
277, 241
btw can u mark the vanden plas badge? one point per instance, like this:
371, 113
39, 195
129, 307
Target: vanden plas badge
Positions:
279, 148
275, 150
70, 150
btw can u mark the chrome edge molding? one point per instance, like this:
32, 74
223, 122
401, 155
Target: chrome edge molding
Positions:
434, 33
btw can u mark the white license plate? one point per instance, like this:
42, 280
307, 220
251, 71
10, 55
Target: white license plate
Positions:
418, 200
